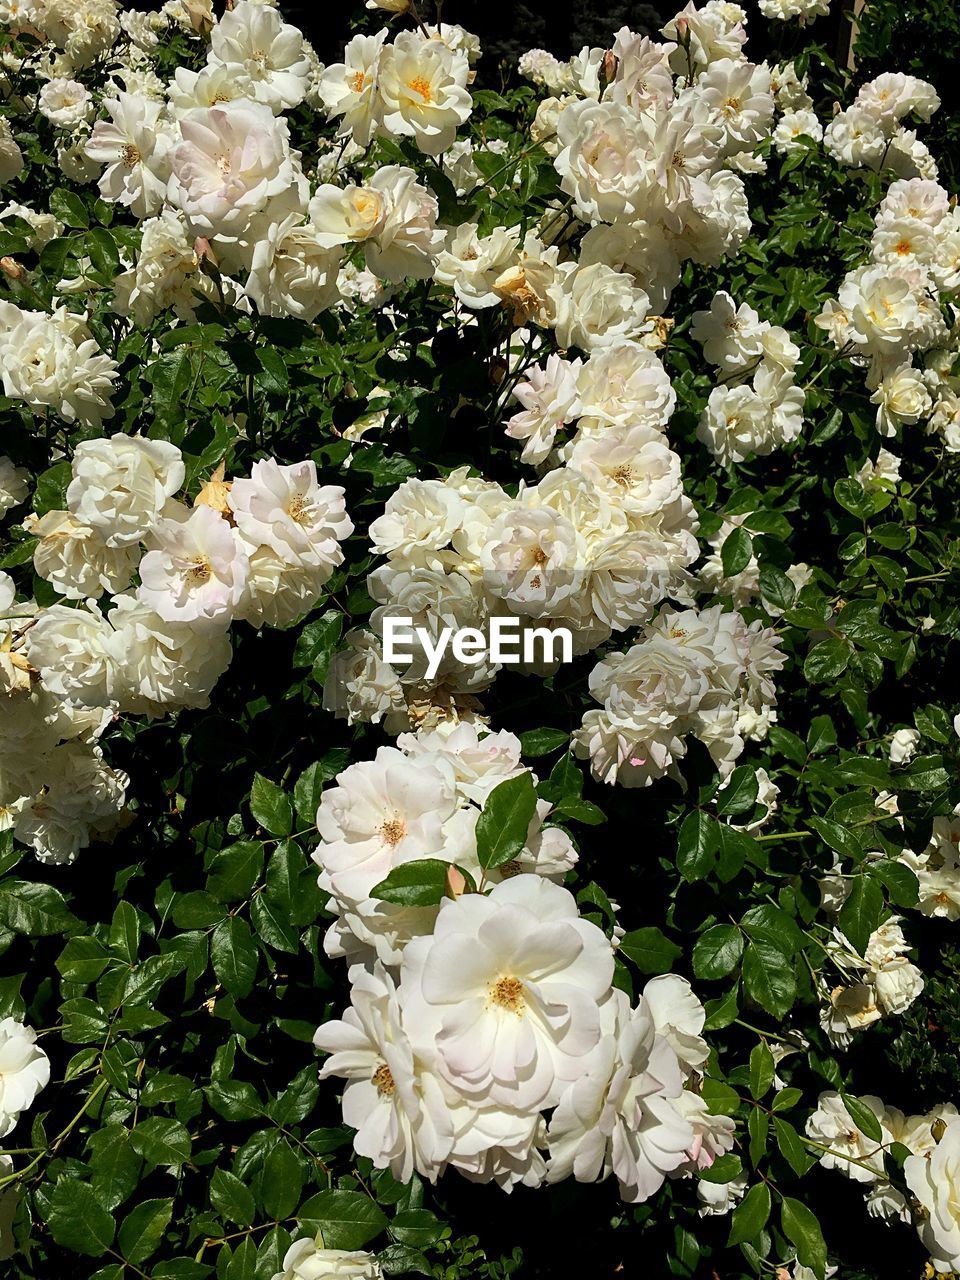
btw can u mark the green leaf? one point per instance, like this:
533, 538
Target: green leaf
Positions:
318, 643
503, 824
234, 955
862, 1116
307, 792
769, 977
541, 742
125, 932
740, 793
767, 923
348, 1219
791, 1146
69, 208
235, 870
717, 952
802, 1229
37, 910
143, 1229
270, 807
282, 1181
273, 370
736, 552
697, 845
750, 1215
161, 1141
231, 1199
724, 1169
761, 1070
821, 735
77, 1220
650, 950
422, 883
758, 1127
416, 1227
827, 660
785, 1099
837, 836
860, 914
900, 882
115, 1164
776, 587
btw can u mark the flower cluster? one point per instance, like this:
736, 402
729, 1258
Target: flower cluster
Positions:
593, 547
259, 549
937, 868
53, 362
700, 672
932, 1140
757, 407
890, 311
880, 983
870, 134
646, 153
473, 1019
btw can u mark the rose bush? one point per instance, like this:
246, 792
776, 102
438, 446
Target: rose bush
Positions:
321, 962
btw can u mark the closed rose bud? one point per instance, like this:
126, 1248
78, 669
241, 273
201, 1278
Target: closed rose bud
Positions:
498, 371
10, 267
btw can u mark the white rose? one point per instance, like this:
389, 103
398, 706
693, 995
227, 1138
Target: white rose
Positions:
307, 1260
233, 159
597, 306
508, 988
935, 1181
73, 557
422, 88
903, 746
65, 103
198, 571
253, 39
71, 648
349, 88
603, 160
134, 145
161, 665
121, 484
24, 1071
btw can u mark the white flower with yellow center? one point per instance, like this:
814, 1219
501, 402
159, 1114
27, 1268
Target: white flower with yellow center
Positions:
65, 103
134, 145
349, 88
198, 570
253, 39
287, 509
380, 814
406, 1120
509, 987
422, 86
